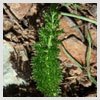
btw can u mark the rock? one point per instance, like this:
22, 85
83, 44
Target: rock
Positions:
78, 50
69, 28
20, 61
9, 74
20, 9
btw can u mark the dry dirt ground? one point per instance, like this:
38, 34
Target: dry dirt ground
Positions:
21, 23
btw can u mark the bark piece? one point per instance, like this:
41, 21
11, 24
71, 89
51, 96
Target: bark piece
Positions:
7, 24
20, 9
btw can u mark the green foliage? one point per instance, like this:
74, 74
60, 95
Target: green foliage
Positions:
88, 58
76, 6
46, 67
79, 17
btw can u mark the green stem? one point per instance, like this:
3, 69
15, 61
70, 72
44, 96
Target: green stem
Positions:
79, 17
49, 41
88, 59
67, 54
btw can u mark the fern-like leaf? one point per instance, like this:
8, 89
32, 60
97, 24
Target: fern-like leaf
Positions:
46, 67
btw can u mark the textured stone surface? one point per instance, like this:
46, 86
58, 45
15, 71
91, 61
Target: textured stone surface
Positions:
78, 50
9, 74
20, 9
69, 28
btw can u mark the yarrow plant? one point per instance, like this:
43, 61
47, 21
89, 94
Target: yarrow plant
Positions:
46, 67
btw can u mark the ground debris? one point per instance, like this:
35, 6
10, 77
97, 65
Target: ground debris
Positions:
21, 23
